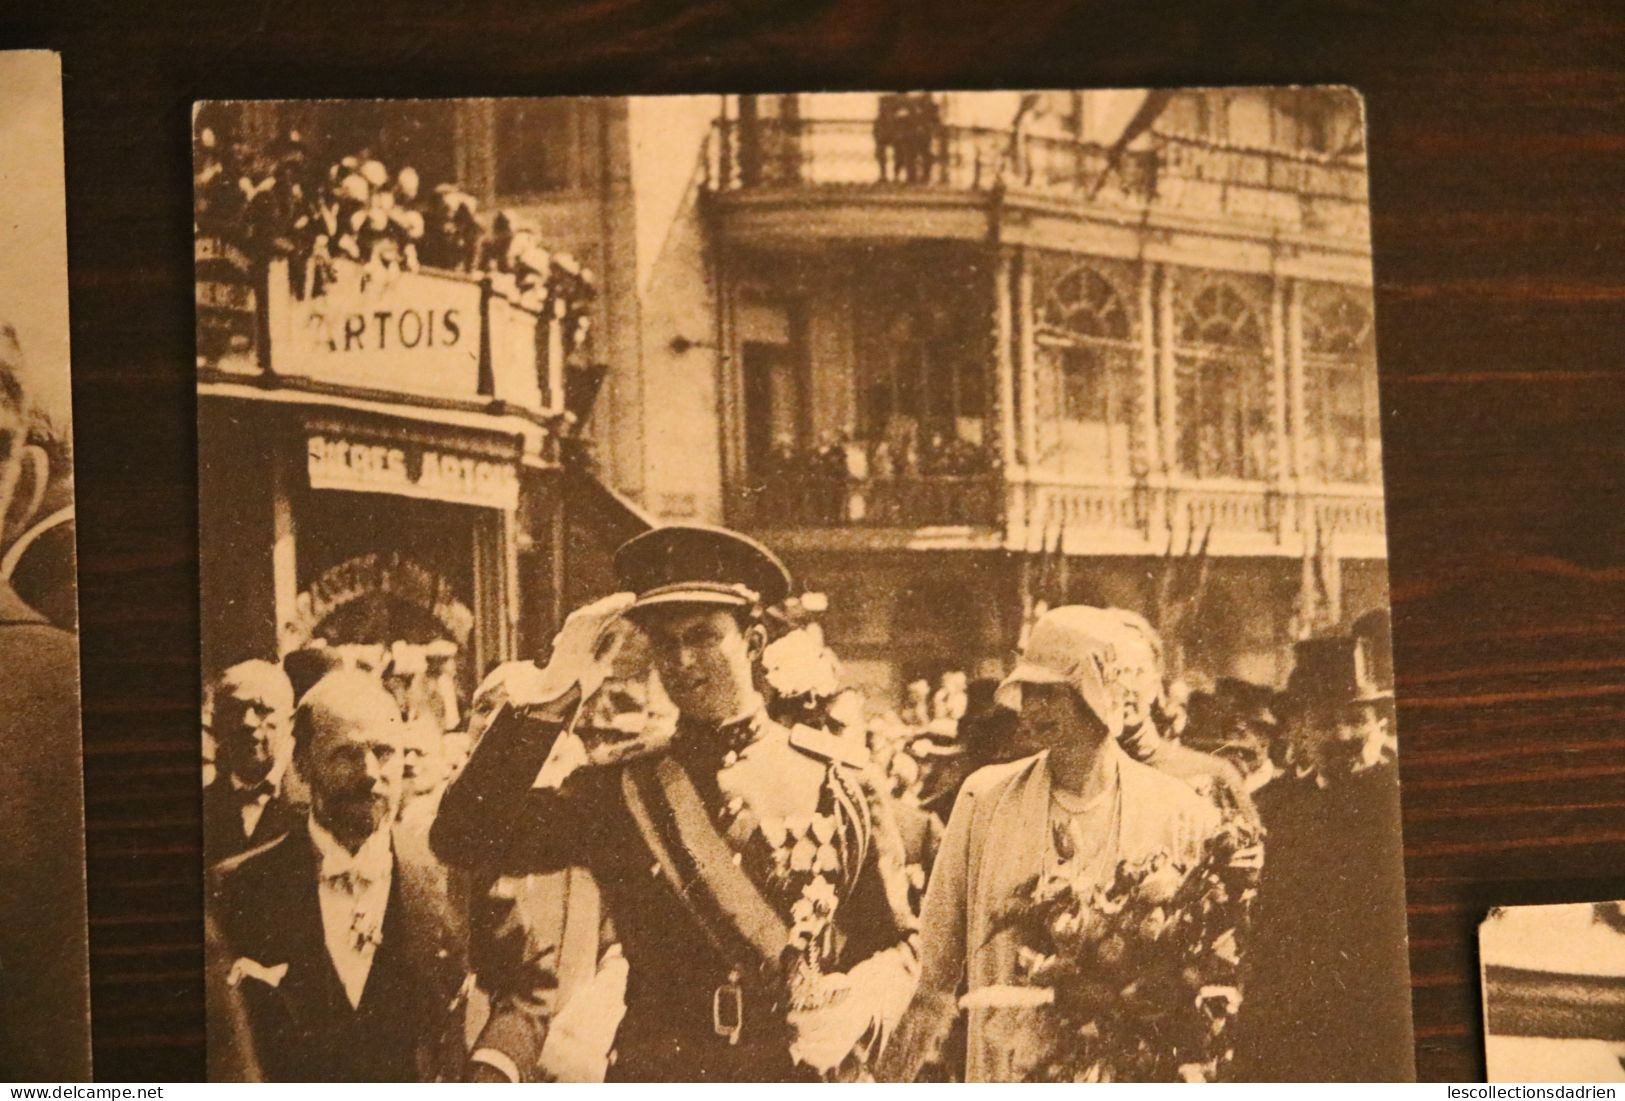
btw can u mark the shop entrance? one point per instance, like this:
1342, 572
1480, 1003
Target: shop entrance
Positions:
420, 579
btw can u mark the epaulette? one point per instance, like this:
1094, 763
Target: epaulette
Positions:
830, 747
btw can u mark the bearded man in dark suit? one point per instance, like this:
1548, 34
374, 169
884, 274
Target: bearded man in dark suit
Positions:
344, 950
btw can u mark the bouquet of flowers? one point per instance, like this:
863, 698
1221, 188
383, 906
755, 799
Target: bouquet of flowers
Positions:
1140, 975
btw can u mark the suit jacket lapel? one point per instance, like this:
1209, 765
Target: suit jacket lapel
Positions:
431, 932
311, 990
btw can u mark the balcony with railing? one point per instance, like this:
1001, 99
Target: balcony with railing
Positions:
1141, 516
868, 487
836, 501
1173, 173
422, 336
354, 281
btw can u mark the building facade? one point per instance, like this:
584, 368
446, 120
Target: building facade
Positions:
952, 355
974, 351
390, 452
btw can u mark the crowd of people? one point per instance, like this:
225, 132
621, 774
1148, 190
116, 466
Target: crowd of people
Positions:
684, 849
285, 201
896, 455
843, 480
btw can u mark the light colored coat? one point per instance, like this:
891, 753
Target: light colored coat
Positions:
998, 836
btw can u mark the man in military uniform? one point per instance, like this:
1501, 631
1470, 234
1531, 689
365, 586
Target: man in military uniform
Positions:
753, 872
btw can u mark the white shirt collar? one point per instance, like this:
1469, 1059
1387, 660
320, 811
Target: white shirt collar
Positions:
371, 862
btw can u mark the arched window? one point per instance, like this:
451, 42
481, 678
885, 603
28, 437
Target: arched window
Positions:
1222, 384
1340, 386
1089, 375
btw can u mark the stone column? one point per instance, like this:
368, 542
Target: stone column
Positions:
1150, 448
1302, 508
1292, 293
1281, 466
1166, 368
1027, 364
1003, 361
285, 477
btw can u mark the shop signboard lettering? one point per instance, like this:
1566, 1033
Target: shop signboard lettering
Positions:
406, 469
392, 331
225, 301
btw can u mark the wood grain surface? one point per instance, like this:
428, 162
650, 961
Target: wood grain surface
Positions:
1498, 155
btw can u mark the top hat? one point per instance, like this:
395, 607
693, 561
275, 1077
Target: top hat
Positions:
1333, 671
1374, 631
695, 564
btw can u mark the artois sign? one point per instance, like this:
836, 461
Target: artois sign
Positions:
393, 331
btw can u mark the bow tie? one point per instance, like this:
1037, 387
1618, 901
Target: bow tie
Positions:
354, 874
350, 881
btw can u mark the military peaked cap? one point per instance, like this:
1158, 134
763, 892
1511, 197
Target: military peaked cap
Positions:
693, 564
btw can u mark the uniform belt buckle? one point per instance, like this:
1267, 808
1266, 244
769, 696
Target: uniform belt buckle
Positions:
728, 1009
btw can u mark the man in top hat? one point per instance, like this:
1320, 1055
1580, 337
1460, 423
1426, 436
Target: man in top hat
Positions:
753, 872
1330, 918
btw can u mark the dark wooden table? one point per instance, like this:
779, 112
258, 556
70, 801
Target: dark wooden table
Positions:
1498, 155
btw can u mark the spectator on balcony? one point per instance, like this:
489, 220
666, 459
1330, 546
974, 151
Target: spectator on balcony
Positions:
452, 235
949, 701
274, 215
917, 137
917, 711
907, 130
830, 489
1019, 152
889, 122
217, 200
882, 466
498, 244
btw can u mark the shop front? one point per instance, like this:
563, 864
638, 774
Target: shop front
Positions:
379, 462
367, 533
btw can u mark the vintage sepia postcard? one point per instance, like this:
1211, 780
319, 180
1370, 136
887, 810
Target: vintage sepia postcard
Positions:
44, 983
810, 587
1554, 992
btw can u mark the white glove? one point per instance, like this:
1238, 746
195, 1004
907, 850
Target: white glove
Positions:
823, 1036
580, 653
583, 1031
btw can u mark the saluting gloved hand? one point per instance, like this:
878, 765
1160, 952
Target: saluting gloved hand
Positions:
581, 655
